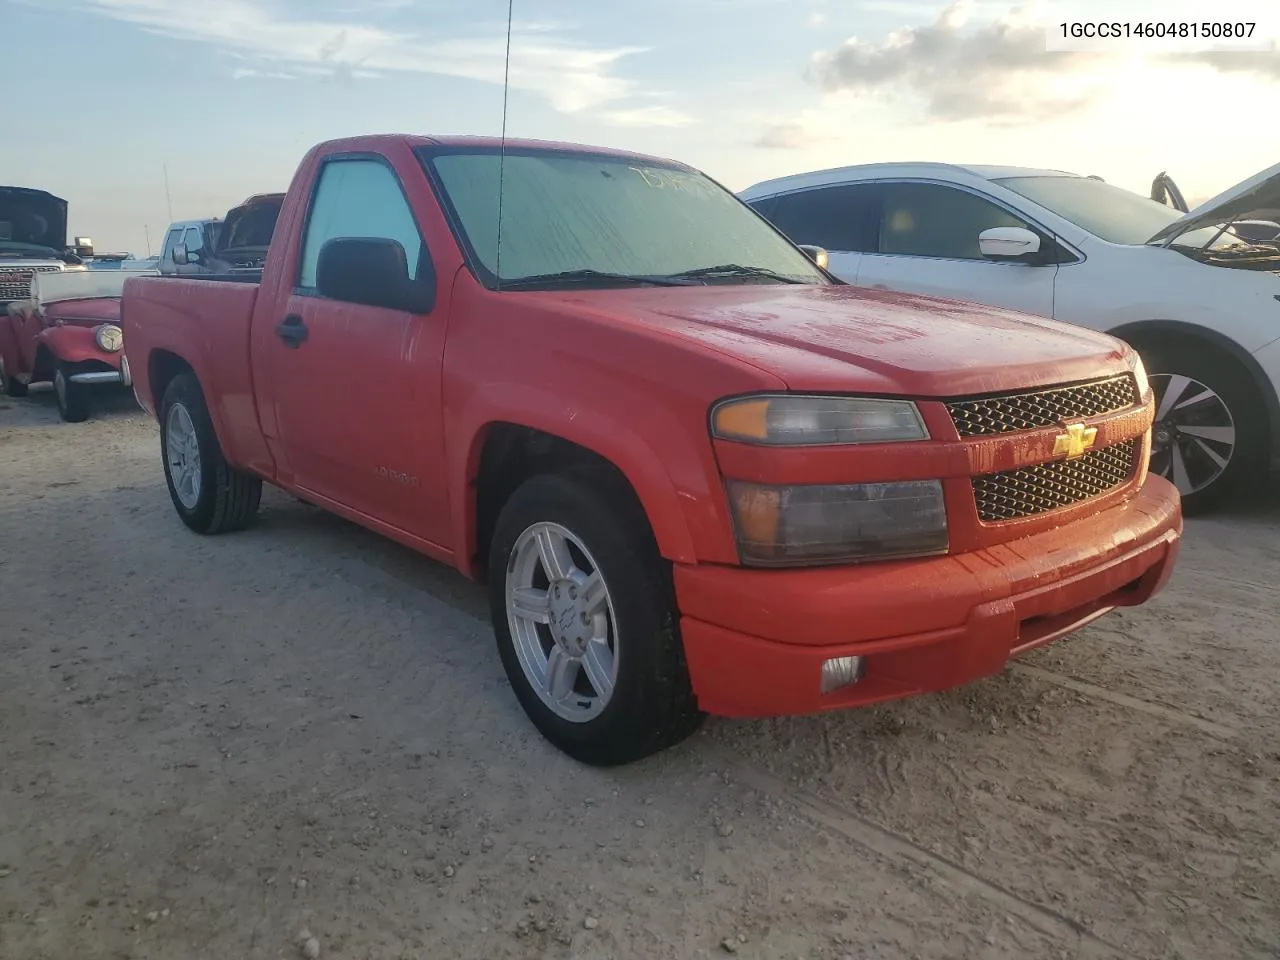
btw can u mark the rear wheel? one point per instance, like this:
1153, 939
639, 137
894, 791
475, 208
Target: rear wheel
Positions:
73, 398
1209, 437
584, 616
209, 494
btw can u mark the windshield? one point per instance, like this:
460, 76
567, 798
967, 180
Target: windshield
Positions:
604, 218
11, 248
252, 227
1110, 212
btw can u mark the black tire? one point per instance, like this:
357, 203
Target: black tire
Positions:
73, 398
652, 706
12, 387
1246, 458
228, 498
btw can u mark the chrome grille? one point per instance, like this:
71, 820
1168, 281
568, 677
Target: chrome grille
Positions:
15, 282
1042, 408
1028, 491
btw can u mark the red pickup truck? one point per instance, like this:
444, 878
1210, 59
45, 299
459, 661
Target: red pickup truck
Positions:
697, 472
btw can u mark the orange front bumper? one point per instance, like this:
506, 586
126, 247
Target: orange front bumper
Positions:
756, 640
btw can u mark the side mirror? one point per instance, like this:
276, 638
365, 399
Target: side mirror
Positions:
1009, 244
817, 254
180, 256
374, 272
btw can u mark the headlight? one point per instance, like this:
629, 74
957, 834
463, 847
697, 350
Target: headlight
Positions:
109, 337
1140, 374
819, 524
792, 420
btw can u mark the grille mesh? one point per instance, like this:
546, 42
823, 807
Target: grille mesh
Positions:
15, 282
1043, 408
1028, 491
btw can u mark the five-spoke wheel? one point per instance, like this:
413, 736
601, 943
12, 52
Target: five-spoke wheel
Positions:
584, 615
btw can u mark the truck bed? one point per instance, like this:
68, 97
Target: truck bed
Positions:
206, 324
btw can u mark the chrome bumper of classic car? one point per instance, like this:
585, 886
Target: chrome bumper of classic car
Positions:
120, 376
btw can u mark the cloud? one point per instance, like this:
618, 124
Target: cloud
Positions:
655, 116
1261, 63
786, 136
573, 77
994, 70
816, 19
249, 73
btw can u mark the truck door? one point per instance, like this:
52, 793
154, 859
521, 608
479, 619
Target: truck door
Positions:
355, 390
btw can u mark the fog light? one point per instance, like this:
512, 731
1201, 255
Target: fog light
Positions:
841, 672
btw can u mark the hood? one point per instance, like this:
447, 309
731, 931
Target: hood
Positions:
847, 338
64, 286
33, 216
1257, 198
83, 313
251, 224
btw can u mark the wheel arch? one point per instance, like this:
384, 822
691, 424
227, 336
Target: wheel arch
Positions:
1156, 331
162, 367
506, 453
42, 364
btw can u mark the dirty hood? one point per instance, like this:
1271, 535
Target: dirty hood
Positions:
1257, 198
33, 217
848, 338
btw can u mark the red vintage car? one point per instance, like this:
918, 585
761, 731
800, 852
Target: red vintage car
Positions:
67, 333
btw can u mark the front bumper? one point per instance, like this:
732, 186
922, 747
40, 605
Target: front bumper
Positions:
121, 376
756, 640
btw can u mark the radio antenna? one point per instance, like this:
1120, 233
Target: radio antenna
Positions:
502, 150
168, 199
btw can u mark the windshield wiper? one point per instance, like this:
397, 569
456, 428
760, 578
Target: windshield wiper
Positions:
735, 270
593, 276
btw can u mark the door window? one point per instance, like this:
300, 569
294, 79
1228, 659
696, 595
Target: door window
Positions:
171, 240
844, 217
358, 198
933, 220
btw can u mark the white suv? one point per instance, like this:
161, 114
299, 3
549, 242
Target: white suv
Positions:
1077, 249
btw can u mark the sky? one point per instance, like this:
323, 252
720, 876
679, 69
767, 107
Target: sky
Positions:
143, 111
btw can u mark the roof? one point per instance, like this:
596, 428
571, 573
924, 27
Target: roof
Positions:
963, 173
355, 144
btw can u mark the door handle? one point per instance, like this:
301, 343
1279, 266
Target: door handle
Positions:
292, 330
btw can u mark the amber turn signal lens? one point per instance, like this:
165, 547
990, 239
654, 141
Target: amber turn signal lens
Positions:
756, 510
748, 419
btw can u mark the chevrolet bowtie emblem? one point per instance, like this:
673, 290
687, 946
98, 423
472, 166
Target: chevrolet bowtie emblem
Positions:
1076, 442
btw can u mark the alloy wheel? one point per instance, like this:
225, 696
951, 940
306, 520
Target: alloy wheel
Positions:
183, 455
562, 622
1194, 435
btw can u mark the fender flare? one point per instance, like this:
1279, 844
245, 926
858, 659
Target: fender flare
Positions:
1257, 376
75, 344
199, 369
619, 444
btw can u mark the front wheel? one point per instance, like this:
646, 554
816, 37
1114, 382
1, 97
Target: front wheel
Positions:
1209, 435
209, 494
72, 397
584, 616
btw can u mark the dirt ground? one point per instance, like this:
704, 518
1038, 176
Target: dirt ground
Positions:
208, 746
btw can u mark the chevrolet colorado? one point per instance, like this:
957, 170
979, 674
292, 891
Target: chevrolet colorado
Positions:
697, 472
